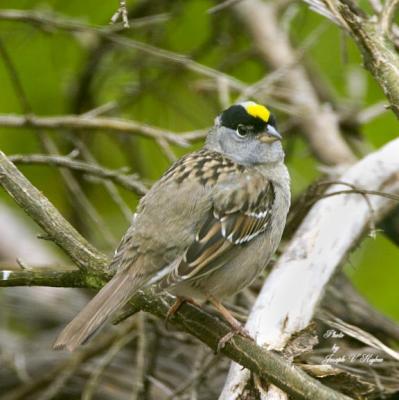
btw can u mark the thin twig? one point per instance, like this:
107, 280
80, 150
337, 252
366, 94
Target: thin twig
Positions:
141, 359
16, 82
57, 377
355, 189
166, 55
84, 124
166, 149
369, 35
387, 15
221, 6
109, 185
50, 146
87, 155
93, 383
361, 191
49, 21
201, 367
371, 112
129, 182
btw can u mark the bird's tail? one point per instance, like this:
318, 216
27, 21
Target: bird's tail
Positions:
108, 300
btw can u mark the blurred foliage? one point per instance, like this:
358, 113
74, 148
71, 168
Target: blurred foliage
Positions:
73, 72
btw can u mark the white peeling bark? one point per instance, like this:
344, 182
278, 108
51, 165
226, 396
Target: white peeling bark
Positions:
290, 295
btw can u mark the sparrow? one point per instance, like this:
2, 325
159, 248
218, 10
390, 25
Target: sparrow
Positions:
207, 228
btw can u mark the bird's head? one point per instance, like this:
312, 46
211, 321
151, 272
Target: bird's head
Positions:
247, 133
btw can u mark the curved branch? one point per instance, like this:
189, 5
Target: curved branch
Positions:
195, 321
266, 364
200, 324
82, 122
38, 207
60, 22
379, 56
372, 38
129, 182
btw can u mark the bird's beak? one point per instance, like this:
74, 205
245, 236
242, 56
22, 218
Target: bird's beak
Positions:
271, 135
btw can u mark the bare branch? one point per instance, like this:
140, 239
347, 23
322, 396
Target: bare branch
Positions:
387, 16
193, 320
53, 277
258, 360
166, 55
129, 182
110, 354
110, 187
51, 147
48, 217
379, 56
83, 123
222, 6
370, 35
53, 380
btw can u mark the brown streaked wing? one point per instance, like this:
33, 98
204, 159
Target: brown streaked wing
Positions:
222, 234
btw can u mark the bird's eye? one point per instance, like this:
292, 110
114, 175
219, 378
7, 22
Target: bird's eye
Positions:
242, 130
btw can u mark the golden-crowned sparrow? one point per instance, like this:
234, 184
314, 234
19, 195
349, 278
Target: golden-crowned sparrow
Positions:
207, 228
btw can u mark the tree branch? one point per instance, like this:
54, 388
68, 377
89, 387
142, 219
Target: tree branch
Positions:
43, 277
129, 182
59, 22
371, 37
195, 321
268, 365
56, 377
51, 147
82, 123
37, 206
387, 16
379, 55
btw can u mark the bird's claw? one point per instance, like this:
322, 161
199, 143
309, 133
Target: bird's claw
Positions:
176, 307
228, 336
173, 309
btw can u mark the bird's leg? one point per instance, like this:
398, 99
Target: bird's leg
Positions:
237, 327
176, 306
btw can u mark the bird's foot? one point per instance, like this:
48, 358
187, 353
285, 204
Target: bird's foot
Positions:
176, 306
236, 330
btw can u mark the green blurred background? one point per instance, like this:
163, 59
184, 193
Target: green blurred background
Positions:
73, 72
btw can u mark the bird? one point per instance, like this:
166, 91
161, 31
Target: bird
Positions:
206, 229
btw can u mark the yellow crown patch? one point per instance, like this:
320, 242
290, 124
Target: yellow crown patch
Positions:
257, 111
